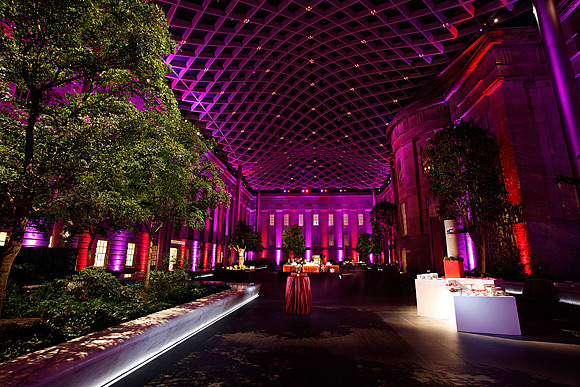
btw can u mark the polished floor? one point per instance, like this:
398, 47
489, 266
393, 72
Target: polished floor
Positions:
364, 330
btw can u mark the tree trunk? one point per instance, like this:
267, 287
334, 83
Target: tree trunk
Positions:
148, 263
89, 249
9, 254
241, 257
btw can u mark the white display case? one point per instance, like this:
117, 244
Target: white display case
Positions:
465, 310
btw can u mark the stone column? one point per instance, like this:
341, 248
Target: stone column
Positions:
562, 75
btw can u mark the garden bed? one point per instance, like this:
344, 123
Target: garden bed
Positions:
102, 357
87, 302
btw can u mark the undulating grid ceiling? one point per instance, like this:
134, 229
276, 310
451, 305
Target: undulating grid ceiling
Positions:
299, 93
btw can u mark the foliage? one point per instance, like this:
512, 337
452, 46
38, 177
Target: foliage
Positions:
363, 245
293, 241
465, 175
245, 238
383, 218
79, 69
86, 302
509, 266
376, 243
453, 259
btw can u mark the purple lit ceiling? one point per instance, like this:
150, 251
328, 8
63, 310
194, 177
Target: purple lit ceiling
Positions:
299, 93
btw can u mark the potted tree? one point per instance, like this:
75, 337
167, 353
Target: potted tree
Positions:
245, 238
294, 243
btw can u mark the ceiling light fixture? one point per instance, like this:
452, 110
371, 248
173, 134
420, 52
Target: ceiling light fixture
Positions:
246, 21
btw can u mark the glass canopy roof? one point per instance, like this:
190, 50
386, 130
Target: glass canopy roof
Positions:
299, 93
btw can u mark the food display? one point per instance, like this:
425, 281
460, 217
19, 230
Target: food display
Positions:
474, 290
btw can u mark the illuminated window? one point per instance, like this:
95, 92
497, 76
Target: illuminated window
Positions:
3, 237
286, 219
345, 219
331, 239
361, 219
315, 219
404, 218
172, 257
130, 254
271, 219
331, 219
101, 253
301, 220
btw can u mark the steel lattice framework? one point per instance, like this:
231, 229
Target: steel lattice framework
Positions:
299, 93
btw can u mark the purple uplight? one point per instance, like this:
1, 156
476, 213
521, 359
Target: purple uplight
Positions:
195, 256
278, 257
470, 252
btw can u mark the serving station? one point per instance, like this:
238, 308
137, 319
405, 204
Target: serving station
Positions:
477, 305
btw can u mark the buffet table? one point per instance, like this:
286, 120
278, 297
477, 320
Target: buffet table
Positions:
469, 310
298, 294
483, 314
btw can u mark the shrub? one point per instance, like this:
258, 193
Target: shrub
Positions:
86, 302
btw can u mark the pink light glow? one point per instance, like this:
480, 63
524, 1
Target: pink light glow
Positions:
195, 255
340, 255
213, 254
308, 255
278, 257
470, 252
33, 238
523, 242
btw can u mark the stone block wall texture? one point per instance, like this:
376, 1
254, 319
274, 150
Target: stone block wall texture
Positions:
504, 86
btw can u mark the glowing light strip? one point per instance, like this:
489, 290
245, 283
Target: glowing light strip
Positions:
140, 363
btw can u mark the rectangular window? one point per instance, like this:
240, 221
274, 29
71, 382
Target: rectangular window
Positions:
345, 219
331, 239
331, 219
315, 219
286, 219
361, 219
404, 218
130, 254
173, 251
3, 237
272, 217
301, 220
101, 253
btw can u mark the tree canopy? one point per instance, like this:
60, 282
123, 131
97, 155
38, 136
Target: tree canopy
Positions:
293, 241
383, 217
245, 237
83, 85
466, 176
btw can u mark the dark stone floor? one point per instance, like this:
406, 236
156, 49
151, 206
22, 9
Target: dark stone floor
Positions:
362, 331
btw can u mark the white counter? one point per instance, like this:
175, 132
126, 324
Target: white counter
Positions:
484, 314
477, 314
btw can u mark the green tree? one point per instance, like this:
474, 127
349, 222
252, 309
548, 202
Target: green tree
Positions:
383, 217
78, 68
465, 175
293, 241
245, 238
364, 245
167, 178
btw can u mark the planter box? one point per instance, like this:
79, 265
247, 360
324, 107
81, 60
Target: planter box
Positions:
453, 269
100, 358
